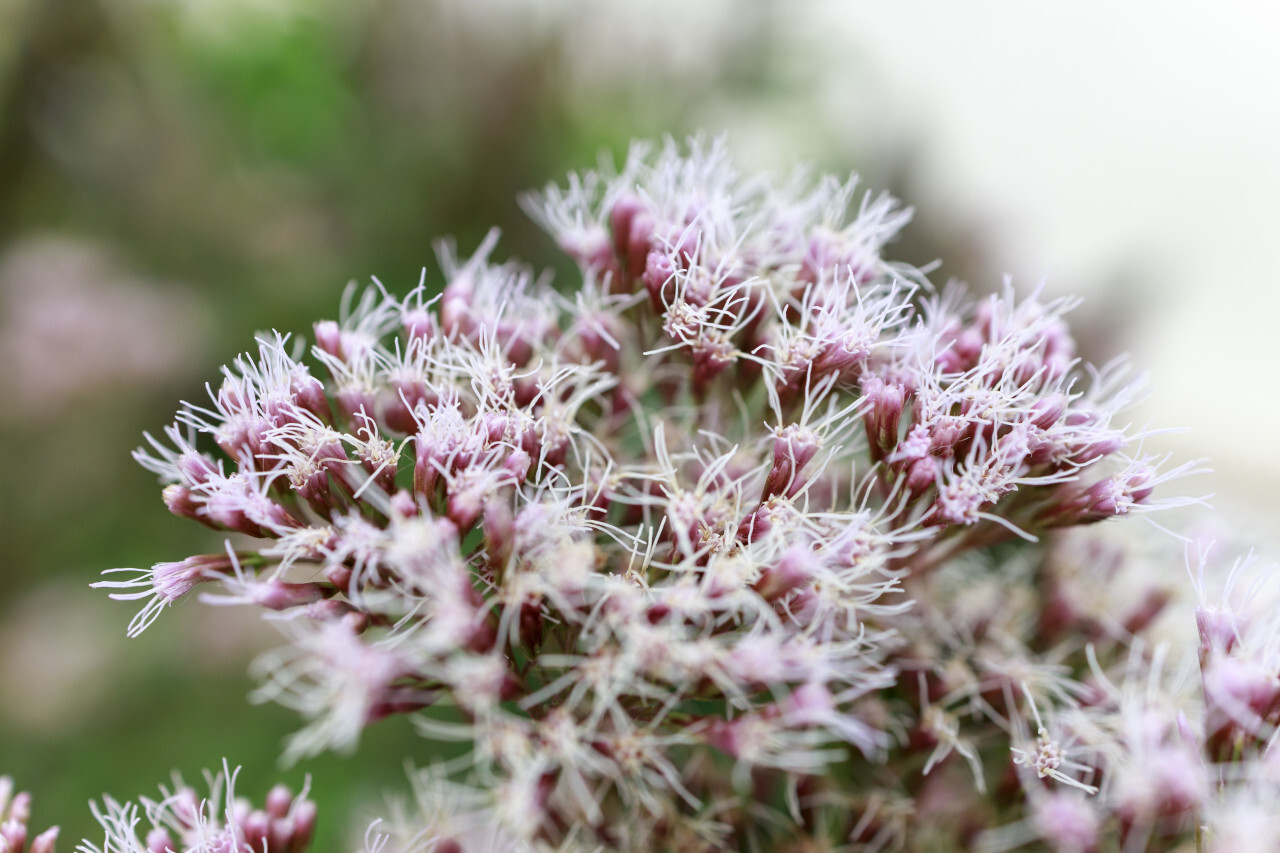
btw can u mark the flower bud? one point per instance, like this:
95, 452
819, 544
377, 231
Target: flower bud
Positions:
887, 401
304, 826
809, 704
1047, 410
945, 434
278, 801
356, 404
915, 446
308, 393
632, 234
922, 474
798, 565
275, 594
1067, 821
1102, 443
1218, 629
181, 502
793, 448
13, 835
518, 464
1238, 694
45, 841
420, 324
403, 505
329, 338
196, 469
256, 826
406, 397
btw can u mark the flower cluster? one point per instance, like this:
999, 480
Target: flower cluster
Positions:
180, 822
184, 822
754, 539
15, 813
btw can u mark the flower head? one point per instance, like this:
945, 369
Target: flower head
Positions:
660, 551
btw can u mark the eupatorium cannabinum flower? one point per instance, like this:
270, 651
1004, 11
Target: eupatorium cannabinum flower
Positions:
183, 821
751, 539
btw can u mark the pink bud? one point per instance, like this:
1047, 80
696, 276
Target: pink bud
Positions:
887, 401
466, 503
915, 446
174, 580
796, 567
329, 338
331, 609
406, 396
1173, 782
45, 841
1139, 484
957, 503
518, 464
593, 251
420, 324
945, 434
308, 393
20, 807
196, 469
403, 505
726, 735
357, 403
809, 704
793, 447
1067, 821
279, 799
963, 353
1238, 691
304, 824
818, 258
159, 840
275, 594
499, 532
969, 344
1218, 630
657, 278
181, 502
1104, 445
624, 210
1047, 410
279, 833
632, 234
455, 309
13, 834
256, 825
186, 807
922, 474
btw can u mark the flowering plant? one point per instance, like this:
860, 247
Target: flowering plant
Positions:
755, 540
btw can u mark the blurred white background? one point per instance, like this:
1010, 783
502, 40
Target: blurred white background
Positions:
1104, 139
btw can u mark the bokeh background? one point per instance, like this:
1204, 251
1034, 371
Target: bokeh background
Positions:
176, 175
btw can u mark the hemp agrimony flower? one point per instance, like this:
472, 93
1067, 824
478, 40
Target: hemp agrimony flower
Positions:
184, 822
752, 539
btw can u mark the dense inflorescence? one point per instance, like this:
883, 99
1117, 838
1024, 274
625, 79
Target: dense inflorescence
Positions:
182, 821
754, 540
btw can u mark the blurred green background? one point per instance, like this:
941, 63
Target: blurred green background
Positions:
175, 176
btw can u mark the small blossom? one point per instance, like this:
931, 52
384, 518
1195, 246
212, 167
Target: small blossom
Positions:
183, 822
